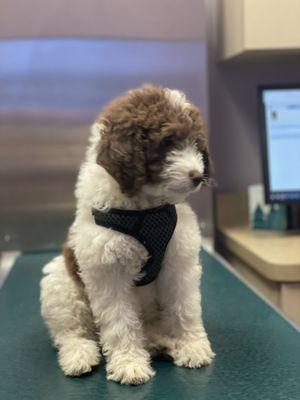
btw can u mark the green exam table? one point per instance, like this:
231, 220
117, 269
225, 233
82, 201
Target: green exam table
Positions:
258, 352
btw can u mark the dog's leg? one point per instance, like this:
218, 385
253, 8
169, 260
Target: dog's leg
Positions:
69, 320
117, 314
179, 293
147, 296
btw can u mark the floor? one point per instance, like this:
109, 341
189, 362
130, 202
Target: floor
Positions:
7, 260
258, 352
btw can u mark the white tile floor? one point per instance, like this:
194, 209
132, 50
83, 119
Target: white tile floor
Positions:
208, 243
7, 260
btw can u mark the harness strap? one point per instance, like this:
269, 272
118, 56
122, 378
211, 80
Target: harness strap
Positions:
152, 227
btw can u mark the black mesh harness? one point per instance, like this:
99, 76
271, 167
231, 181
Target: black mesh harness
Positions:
152, 227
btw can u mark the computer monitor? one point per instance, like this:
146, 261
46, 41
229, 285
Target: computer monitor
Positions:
280, 130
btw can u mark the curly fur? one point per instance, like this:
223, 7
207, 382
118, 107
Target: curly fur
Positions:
142, 150
140, 128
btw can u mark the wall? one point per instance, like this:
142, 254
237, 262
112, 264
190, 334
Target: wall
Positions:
234, 127
50, 92
133, 19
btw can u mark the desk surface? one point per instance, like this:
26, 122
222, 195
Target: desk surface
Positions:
275, 255
258, 352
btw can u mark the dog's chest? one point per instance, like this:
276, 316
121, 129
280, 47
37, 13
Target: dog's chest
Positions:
153, 228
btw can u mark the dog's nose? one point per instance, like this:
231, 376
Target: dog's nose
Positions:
196, 177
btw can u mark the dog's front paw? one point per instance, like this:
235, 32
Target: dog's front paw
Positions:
129, 370
77, 356
192, 354
126, 251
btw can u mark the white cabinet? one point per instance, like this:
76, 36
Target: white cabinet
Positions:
254, 27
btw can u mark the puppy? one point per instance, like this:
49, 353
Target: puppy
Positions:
147, 153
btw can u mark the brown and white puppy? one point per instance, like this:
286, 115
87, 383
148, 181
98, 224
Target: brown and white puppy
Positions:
147, 148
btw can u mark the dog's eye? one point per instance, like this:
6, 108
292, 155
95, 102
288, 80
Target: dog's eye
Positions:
166, 142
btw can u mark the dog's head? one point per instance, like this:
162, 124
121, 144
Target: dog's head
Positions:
152, 139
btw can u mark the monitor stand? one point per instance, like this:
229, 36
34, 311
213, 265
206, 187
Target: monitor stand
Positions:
293, 211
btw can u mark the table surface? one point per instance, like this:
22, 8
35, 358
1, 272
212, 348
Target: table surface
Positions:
275, 255
258, 352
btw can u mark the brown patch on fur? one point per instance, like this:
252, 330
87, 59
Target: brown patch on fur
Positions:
142, 126
71, 264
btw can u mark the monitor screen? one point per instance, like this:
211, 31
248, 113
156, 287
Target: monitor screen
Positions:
281, 143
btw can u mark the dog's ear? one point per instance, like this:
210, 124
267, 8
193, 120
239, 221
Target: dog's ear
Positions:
121, 154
